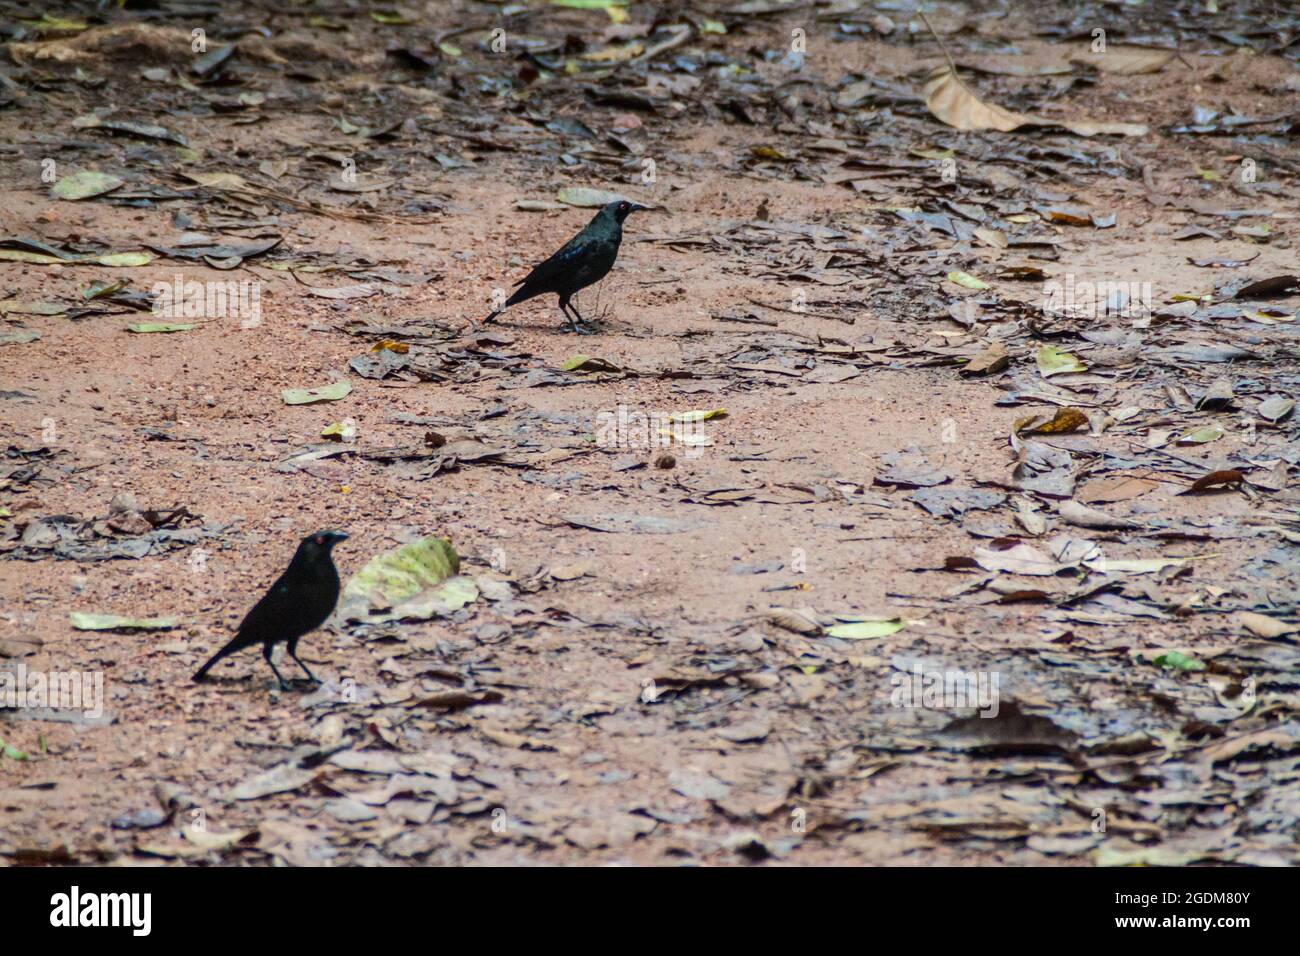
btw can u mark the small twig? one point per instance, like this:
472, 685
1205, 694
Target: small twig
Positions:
678, 37
440, 38
747, 319
947, 56
1198, 465
818, 315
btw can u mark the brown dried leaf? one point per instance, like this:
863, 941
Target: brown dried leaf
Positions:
951, 101
1265, 626
1216, 479
1020, 559
1081, 516
992, 359
1126, 60
1065, 420
1117, 488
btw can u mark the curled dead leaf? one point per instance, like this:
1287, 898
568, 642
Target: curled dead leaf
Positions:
992, 359
1081, 516
1265, 626
1216, 479
952, 102
1065, 420
1126, 60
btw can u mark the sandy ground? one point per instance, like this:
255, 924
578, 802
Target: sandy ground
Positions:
665, 691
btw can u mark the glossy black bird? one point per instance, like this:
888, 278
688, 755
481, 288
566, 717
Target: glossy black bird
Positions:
301, 600
584, 260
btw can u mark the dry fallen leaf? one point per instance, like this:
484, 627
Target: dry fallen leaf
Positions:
952, 102
1126, 60
801, 621
1020, 559
992, 359
1081, 516
1265, 626
1117, 488
1216, 479
282, 778
1052, 361
1065, 420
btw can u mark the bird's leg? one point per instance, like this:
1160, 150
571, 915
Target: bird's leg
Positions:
310, 676
568, 319
578, 325
266, 652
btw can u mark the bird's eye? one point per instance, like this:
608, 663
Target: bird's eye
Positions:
320, 539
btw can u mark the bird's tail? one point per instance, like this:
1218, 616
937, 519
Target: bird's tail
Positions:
521, 294
224, 652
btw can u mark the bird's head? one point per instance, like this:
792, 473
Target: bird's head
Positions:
622, 208
322, 542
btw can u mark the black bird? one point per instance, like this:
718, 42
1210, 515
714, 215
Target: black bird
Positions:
584, 260
301, 600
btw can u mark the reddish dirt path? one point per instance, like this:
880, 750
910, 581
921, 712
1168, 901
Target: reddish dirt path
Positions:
762, 742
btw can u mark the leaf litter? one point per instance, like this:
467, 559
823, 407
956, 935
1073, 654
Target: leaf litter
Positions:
1099, 481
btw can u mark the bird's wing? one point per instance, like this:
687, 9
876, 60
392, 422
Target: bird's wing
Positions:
573, 252
269, 614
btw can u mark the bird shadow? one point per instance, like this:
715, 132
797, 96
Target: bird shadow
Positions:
301, 684
592, 326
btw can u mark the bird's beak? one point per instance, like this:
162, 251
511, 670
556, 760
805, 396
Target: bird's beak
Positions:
637, 207
337, 536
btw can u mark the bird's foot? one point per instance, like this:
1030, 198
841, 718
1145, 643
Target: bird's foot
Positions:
298, 684
580, 328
